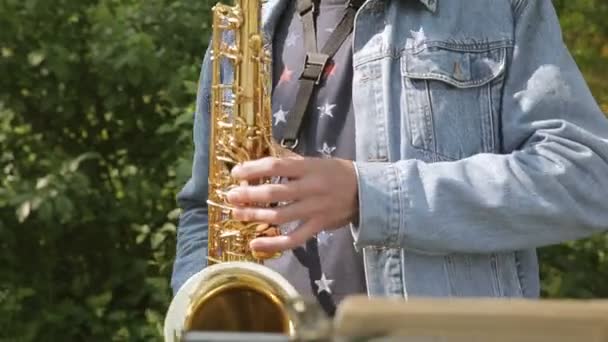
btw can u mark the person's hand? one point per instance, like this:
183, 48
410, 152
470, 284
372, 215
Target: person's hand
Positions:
321, 193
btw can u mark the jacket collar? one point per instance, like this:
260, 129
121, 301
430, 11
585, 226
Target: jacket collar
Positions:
274, 9
431, 5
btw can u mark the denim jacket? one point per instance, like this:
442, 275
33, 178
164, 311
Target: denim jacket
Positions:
477, 141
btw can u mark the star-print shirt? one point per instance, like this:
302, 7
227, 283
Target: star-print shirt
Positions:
331, 269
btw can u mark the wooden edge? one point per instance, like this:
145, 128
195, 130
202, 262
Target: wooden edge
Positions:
361, 316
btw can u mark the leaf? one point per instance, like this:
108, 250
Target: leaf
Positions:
144, 232
157, 239
45, 211
168, 227
36, 201
23, 211
64, 207
35, 58
165, 128
153, 316
604, 52
24, 292
99, 303
184, 118
74, 164
6, 52
117, 315
174, 214
191, 87
42, 182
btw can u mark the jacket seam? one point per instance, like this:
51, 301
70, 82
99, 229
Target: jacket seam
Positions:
440, 156
397, 52
403, 280
519, 7
396, 214
481, 46
520, 275
491, 133
403, 208
451, 80
495, 260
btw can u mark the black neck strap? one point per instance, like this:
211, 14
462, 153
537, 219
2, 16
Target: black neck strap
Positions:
315, 62
311, 259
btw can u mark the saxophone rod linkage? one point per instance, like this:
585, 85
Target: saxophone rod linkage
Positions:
219, 205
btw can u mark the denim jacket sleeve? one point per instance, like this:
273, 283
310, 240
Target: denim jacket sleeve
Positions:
191, 250
548, 186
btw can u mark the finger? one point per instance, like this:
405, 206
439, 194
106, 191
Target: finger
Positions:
266, 193
284, 242
269, 167
300, 210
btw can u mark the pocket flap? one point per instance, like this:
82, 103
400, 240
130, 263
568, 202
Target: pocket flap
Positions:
461, 68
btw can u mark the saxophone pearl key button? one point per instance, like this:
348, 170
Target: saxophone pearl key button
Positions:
261, 228
265, 230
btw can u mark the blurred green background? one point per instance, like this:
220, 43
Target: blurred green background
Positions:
96, 103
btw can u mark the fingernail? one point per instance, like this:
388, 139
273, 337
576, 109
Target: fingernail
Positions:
236, 213
260, 253
233, 195
236, 170
257, 245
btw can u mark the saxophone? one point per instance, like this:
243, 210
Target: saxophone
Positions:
236, 292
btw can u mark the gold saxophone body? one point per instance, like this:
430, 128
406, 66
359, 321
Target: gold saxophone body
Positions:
236, 292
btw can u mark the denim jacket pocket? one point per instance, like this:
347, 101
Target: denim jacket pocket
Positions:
451, 97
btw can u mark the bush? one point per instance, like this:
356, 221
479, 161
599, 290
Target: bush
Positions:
95, 140
96, 102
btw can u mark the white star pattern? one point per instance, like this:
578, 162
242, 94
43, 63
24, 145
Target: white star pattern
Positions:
323, 284
329, 29
291, 40
326, 109
323, 237
279, 116
327, 150
419, 36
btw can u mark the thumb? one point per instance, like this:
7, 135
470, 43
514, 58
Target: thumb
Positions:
289, 241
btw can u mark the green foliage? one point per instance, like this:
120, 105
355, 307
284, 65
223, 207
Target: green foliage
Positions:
580, 269
586, 34
96, 102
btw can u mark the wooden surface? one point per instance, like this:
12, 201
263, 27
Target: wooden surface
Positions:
459, 320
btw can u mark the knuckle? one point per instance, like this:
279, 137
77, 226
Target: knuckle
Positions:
244, 194
247, 215
237, 214
243, 215
275, 164
284, 192
317, 186
276, 216
293, 189
252, 215
319, 208
269, 194
262, 194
